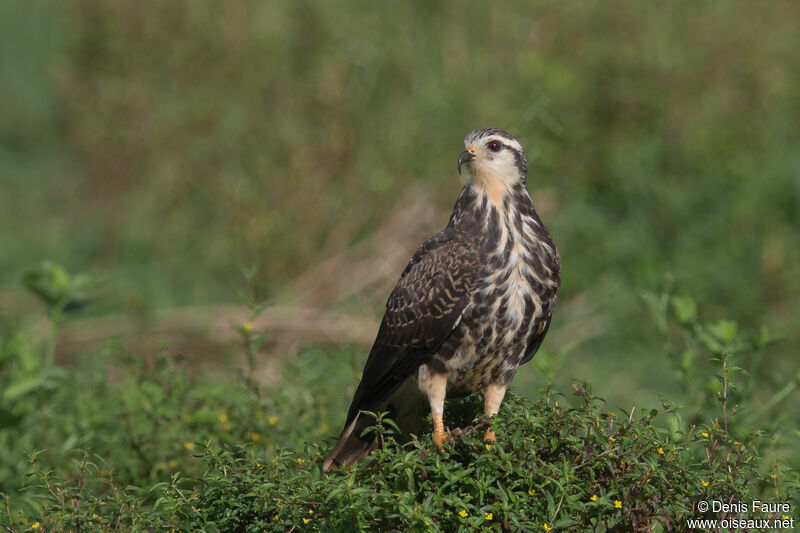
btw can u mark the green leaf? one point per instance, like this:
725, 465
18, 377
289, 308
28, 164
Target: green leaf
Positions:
684, 308
724, 330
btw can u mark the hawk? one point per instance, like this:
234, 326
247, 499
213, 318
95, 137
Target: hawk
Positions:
473, 304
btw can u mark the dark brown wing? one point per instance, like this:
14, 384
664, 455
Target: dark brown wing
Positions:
422, 310
536, 339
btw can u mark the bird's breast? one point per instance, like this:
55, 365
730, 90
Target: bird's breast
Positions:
512, 293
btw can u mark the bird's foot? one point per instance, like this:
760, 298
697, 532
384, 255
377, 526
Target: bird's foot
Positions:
490, 437
440, 438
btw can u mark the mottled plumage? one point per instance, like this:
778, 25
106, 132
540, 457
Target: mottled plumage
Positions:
473, 304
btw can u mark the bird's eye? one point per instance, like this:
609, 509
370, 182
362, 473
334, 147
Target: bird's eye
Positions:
494, 146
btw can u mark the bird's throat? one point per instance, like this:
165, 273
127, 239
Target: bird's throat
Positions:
494, 187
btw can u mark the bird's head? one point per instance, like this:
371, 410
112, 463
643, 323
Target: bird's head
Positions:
493, 158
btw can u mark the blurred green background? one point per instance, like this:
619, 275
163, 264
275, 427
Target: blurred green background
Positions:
166, 145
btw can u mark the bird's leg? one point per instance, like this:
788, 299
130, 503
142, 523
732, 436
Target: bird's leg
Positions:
492, 398
434, 385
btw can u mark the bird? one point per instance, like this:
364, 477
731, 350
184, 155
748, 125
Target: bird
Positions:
473, 304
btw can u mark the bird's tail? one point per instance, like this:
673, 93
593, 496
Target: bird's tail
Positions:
351, 446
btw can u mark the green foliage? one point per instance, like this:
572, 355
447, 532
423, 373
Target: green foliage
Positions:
567, 468
171, 450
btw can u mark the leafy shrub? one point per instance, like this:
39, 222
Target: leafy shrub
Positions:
552, 467
162, 448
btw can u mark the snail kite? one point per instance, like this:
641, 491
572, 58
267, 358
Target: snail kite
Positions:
473, 304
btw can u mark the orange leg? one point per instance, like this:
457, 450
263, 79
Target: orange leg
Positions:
492, 398
435, 387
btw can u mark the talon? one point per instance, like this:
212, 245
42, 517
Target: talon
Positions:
490, 437
439, 440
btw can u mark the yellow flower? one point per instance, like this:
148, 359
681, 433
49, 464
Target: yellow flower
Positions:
704, 483
276, 518
306, 520
704, 434
427, 523
95, 516
488, 446
188, 445
612, 439
774, 476
258, 465
489, 516
299, 460
173, 463
36, 525
248, 326
223, 416
255, 436
531, 492
661, 451
533, 439
546, 527
272, 420
618, 504
227, 427
612, 414
463, 513
311, 511
594, 497
785, 517
736, 443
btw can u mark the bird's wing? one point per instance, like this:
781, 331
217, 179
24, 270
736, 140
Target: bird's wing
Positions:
536, 340
422, 310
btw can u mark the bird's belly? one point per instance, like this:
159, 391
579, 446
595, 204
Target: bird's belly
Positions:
490, 341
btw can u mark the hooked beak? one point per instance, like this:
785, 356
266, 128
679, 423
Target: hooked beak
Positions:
466, 156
